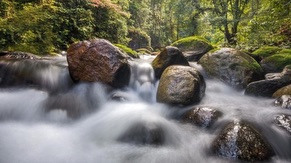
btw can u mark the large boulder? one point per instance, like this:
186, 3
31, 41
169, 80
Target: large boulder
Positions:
240, 141
98, 61
169, 56
272, 83
231, 66
201, 116
193, 47
181, 85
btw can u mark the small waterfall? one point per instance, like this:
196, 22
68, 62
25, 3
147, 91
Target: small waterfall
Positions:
142, 80
50, 75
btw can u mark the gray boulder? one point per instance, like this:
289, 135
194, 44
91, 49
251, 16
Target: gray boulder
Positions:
169, 56
98, 61
231, 66
181, 85
240, 141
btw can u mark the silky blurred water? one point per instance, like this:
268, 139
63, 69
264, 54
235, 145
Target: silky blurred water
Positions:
30, 132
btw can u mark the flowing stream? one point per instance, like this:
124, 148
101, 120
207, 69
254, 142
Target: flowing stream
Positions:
36, 128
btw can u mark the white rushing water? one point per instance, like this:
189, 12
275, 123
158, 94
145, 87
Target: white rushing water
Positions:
31, 134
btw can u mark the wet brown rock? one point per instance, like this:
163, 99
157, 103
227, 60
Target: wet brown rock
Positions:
98, 61
169, 56
181, 85
239, 140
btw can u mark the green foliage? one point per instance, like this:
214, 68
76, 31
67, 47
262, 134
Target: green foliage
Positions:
45, 27
30, 30
127, 50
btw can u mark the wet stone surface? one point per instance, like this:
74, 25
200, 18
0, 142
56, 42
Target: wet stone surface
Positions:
284, 121
201, 116
240, 141
284, 101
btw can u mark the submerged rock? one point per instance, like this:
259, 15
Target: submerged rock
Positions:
144, 134
231, 66
239, 140
181, 85
98, 61
169, 56
284, 101
284, 121
201, 116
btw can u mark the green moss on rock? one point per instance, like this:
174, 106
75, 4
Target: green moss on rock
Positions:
192, 42
127, 50
277, 62
266, 51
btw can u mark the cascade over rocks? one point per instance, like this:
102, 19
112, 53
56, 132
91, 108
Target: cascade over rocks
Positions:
169, 56
231, 66
17, 55
201, 116
181, 85
98, 61
273, 82
239, 140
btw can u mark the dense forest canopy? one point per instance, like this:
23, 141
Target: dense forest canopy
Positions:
47, 26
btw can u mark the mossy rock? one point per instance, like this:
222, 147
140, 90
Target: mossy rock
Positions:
193, 47
231, 66
127, 50
277, 62
266, 51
